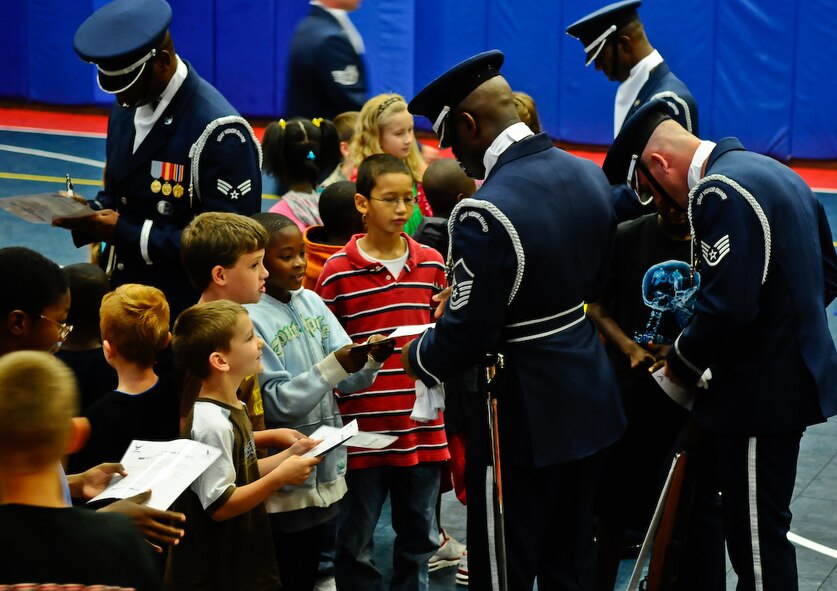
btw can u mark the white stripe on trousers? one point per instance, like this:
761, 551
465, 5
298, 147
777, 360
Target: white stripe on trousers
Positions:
754, 514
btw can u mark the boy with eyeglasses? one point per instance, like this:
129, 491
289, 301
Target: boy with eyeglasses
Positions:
382, 280
35, 308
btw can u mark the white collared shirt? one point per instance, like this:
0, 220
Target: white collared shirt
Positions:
629, 89
146, 116
343, 18
696, 167
511, 135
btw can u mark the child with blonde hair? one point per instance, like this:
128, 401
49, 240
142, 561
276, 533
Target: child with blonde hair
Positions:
386, 127
46, 543
134, 321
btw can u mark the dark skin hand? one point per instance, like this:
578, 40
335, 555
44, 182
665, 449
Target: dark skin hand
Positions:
659, 352
381, 352
671, 375
99, 225
405, 360
152, 523
353, 357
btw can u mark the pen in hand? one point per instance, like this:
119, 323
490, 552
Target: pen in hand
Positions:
69, 185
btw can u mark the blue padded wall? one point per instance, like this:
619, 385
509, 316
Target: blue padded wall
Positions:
763, 70
13, 79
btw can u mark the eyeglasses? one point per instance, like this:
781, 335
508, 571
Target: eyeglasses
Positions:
644, 194
64, 329
393, 201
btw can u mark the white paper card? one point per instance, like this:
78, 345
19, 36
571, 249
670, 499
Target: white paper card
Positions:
677, 393
330, 439
44, 207
361, 439
409, 330
167, 468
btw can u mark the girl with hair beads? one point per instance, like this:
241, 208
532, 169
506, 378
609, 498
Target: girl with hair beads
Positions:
300, 153
386, 127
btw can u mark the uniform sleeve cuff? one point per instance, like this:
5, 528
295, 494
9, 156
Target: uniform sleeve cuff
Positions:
331, 370
686, 371
426, 377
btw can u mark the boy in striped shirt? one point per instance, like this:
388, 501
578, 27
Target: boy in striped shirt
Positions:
382, 280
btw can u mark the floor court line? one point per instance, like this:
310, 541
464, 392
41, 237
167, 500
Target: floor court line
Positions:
53, 155
64, 132
811, 545
16, 176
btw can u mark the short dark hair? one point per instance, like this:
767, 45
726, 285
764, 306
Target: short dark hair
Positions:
34, 281
201, 330
373, 167
273, 222
443, 181
337, 207
88, 285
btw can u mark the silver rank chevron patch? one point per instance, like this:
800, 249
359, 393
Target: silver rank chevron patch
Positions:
234, 192
713, 253
463, 282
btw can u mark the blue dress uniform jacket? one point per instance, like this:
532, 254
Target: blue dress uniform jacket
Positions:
526, 251
326, 76
768, 271
221, 161
662, 83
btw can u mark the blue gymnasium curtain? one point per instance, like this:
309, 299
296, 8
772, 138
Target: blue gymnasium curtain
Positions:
193, 32
764, 70
245, 62
13, 68
754, 75
54, 73
391, 40
813, 122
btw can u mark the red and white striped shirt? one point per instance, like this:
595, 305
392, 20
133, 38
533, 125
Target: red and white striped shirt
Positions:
367, 299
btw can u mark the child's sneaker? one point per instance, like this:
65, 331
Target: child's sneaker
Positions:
462, 571
448, 554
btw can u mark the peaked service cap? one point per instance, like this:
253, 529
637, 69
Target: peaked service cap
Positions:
632, 139
436, 100
594, 29
120, 38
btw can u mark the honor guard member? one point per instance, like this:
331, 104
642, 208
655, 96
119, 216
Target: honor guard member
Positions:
759, 337
175, 148
527, 250
326, 69
614, 39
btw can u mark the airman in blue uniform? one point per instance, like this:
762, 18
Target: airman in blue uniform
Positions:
527, 250
615, 41
759, 341
175, 148
326, 67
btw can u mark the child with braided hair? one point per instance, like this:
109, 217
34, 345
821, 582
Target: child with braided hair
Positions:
300, 153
